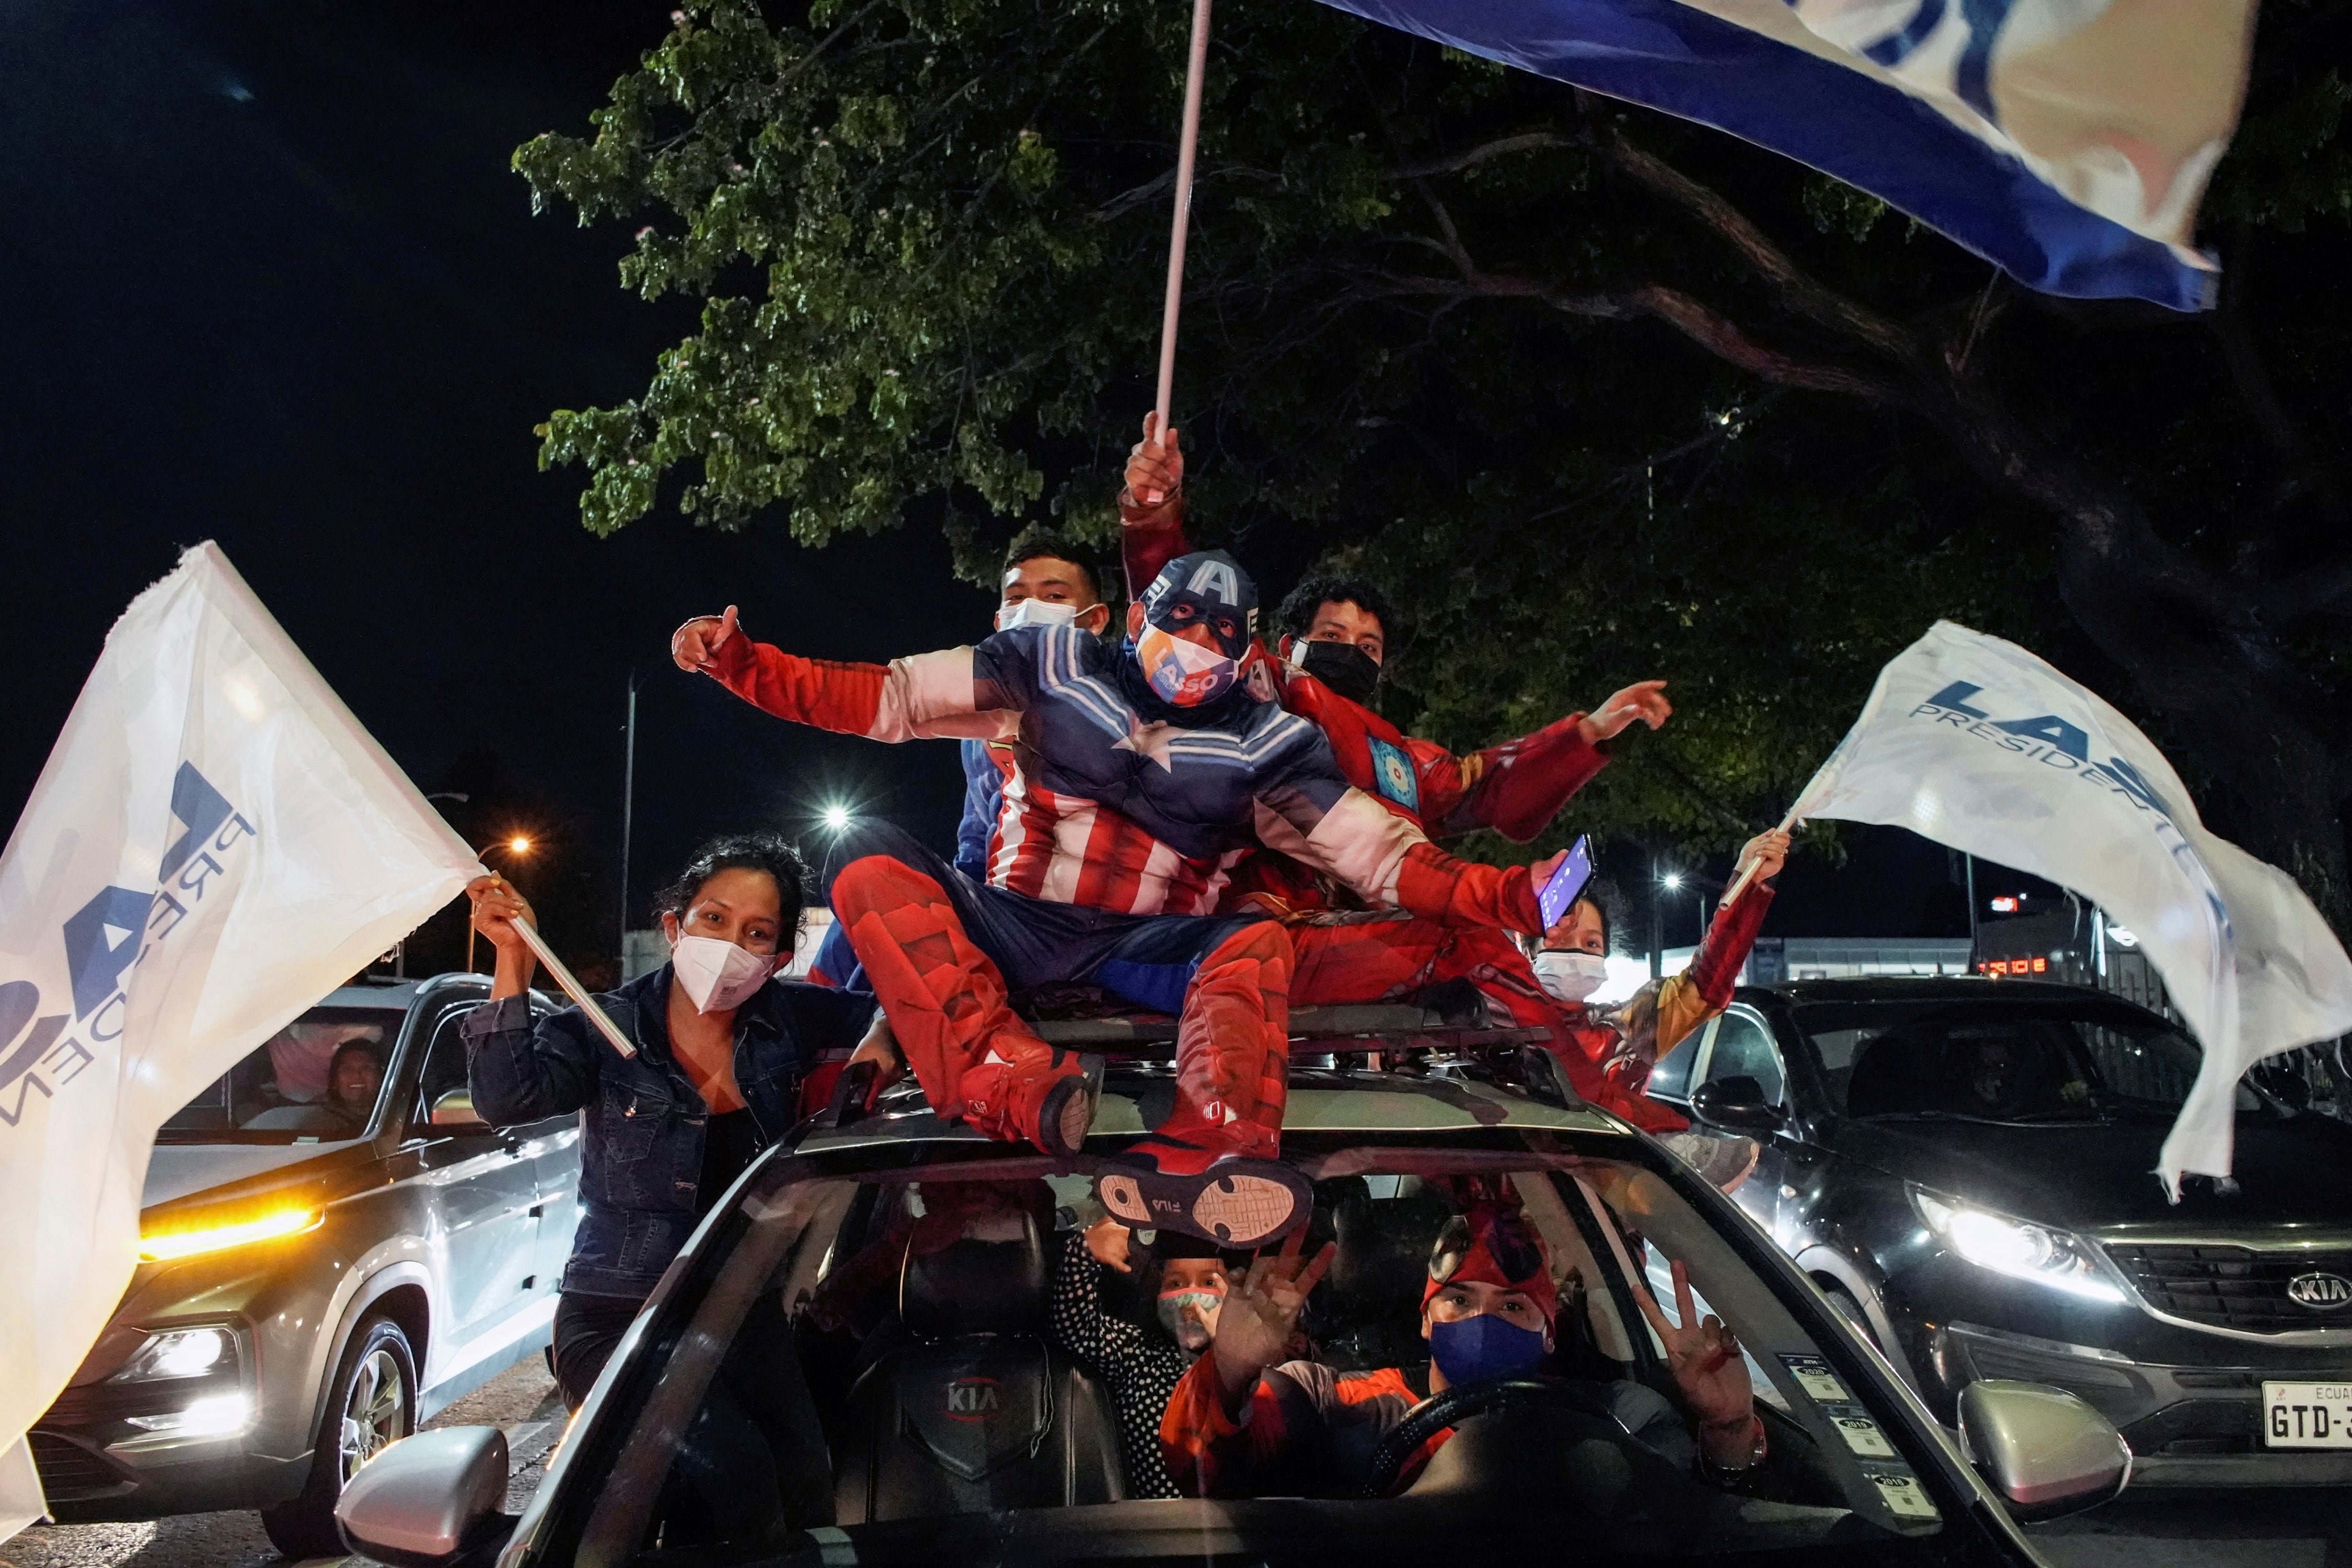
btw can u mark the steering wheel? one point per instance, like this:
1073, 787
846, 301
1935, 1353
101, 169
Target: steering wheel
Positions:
1459, 1403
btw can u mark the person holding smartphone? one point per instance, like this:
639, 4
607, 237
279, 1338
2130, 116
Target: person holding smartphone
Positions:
1615, 1047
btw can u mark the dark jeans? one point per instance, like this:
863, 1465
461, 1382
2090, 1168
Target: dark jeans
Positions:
587, 1328
1148, 960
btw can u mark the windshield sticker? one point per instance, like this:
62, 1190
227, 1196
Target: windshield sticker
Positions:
1861, 1433
1813, 1375
1903, 1494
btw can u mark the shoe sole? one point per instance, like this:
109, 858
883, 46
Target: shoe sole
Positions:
1238, 1203
1068, 1114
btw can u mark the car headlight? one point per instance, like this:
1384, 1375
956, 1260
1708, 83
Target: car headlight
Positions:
179, 1352
172, 1242
220, 1415
2018, 1248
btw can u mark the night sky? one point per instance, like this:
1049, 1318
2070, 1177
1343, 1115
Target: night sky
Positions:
268, 281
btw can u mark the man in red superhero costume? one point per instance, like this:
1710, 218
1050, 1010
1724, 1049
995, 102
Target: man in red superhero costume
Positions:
1240, 1425
1140, 775
1338, 955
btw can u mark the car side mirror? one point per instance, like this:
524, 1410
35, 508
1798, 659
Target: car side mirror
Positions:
1738, 1104
2046, 1452
430, 1501
454, 1112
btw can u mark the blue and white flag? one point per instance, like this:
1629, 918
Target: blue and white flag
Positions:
1975, 742
2067, 141
215, 845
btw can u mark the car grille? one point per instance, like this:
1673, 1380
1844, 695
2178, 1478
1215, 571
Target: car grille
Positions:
68, 1469
2232, 1287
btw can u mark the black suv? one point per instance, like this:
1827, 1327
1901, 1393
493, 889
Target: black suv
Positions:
1967, 1167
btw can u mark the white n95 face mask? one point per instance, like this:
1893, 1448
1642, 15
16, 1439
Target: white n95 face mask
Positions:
1035, 612
1571, 976
718, 975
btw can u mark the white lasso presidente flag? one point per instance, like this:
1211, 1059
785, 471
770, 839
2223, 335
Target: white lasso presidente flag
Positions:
1975, 742
215, 845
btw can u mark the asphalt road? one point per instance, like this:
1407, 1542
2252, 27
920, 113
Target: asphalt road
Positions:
522, 1400
2148, 1530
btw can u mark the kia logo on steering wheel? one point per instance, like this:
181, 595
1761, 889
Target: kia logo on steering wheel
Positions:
2320, 1292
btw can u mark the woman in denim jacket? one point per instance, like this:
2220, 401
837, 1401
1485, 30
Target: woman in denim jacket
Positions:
722, 1048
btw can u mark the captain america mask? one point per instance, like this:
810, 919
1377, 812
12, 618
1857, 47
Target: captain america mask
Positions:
1198, 616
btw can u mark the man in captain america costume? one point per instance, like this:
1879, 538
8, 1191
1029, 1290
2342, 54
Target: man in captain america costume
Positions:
1140, 775
1347, 955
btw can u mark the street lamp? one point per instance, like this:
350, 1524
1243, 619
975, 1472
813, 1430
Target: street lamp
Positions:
837, 817
517, 845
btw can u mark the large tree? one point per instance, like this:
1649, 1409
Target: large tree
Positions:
1598, 392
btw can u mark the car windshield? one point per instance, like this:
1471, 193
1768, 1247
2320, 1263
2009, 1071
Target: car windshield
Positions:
318, 1078
2038, 1061
927, 1362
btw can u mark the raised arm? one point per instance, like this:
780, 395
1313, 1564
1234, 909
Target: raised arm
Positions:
1700, 992
901, 700
1081, 1327
518, 1072
1152, 507
1306, 810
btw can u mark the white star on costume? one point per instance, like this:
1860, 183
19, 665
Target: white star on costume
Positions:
1148, 741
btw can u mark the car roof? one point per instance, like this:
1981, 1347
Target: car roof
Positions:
379, 991
1916, 988
1321, 1100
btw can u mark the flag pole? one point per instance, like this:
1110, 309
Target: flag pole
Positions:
1739, 885
1185, 148
574, 989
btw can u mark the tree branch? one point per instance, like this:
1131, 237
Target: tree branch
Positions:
1720, 336
1797, 290
1454, 163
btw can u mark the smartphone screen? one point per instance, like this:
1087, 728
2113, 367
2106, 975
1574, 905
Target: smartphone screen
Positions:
1560, 889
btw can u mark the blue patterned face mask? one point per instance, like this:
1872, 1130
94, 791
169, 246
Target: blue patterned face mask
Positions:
1473, 1350
1190, 1316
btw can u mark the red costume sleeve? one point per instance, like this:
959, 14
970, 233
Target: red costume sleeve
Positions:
1439, 887
1518, 787
846, 698
1150, 537
1208, 1453
1715, 969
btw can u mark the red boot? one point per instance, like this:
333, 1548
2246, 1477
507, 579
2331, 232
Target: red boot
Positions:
1209, 1170
976, 1060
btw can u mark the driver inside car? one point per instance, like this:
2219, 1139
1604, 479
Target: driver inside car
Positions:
1239, 1425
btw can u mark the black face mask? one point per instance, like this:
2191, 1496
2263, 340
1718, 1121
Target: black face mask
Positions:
1341, 666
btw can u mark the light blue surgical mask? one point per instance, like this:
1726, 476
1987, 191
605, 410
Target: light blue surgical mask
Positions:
1035, 612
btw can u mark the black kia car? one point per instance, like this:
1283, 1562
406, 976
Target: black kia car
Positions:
1966, 1166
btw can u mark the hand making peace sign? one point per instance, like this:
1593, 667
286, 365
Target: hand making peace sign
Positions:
1260, 1311
1704, 1358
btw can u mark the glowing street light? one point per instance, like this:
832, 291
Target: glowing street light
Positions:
1673, 881
836, 818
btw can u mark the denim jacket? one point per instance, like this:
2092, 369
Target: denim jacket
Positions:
641, 1120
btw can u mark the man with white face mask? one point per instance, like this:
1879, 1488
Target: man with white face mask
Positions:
1044, 583
722, 1048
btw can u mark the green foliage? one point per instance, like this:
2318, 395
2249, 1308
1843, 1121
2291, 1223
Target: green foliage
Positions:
928, 239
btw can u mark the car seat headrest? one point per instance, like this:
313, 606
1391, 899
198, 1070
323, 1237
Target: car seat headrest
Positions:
991, 1281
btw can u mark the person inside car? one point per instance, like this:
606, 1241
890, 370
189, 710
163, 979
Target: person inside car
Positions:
1240, 1425
1187, 1281
721, 1050
353, 1079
